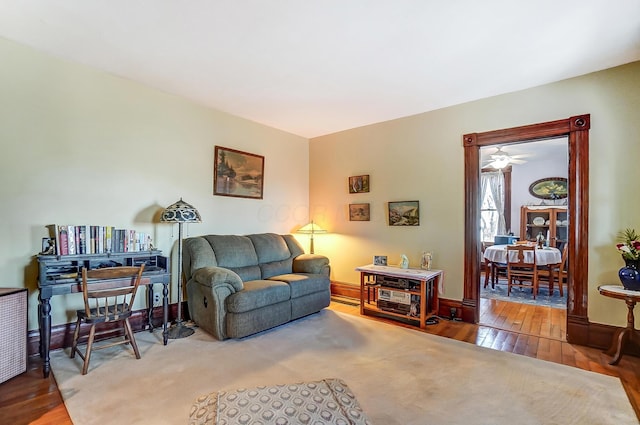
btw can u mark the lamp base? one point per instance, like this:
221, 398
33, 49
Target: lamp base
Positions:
178, 331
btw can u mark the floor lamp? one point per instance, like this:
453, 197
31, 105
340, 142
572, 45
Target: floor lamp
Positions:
180, 213
311, 229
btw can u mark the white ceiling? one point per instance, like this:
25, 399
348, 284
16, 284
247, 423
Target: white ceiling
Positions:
314, 67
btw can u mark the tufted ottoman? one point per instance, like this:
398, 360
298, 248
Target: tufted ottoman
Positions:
328, 401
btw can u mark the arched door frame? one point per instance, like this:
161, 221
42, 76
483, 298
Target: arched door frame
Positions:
576, 129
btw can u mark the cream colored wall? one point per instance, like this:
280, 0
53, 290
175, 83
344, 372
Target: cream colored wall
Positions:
84, 147
421, 158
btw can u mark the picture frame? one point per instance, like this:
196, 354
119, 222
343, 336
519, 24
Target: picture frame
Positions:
550, 188
379, 260
237, 173
359, 212
359, 184
404, 213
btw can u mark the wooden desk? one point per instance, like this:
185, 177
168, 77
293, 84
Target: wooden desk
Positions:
430, 282
625, 336
60, 275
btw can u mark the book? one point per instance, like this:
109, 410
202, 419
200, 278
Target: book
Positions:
71, 240
64, 240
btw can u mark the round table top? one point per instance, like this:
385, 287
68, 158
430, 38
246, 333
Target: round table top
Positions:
618, 291
544, 257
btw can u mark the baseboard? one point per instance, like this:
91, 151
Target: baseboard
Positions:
449, 308
348, 290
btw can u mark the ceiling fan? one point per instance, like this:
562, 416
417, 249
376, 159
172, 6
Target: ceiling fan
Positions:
500, 159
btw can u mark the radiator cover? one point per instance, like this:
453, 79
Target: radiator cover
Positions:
13, 332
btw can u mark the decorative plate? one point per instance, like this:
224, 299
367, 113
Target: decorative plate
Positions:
549, 188
538, 221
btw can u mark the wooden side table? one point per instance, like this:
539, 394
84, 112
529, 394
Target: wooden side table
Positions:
626, 336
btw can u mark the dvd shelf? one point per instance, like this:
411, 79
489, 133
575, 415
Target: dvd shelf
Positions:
409, 294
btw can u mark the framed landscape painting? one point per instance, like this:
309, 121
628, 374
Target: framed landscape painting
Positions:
359, 212
404, 213
237, 173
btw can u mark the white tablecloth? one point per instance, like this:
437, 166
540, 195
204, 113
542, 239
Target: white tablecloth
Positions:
545, 256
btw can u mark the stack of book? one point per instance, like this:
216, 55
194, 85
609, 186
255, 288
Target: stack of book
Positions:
82, 239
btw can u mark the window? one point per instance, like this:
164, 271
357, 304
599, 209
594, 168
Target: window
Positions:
492, 206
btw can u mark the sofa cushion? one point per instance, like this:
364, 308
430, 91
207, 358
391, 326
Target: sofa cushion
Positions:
256, 294
303, 284
233, 252
270, 247
276, 268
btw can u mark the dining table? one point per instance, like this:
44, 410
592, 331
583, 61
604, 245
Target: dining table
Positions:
545, 256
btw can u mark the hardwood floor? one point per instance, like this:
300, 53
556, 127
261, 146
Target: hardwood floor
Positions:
532, 331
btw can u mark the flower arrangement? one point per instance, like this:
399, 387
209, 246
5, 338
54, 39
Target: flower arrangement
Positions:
629, 245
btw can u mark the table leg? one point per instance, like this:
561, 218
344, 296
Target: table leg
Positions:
165, 312
624, 336
44, 309
150, 306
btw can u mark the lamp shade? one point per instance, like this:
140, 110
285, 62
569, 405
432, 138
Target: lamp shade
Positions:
311, 228
180, 212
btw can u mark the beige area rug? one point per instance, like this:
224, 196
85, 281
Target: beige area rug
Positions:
400, 376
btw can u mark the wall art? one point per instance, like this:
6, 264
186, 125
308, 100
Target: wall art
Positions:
404, 213
237, 173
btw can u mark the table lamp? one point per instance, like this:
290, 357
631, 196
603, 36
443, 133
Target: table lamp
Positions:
311, 229
180, 212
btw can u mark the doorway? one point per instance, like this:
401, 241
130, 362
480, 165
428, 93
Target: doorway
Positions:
523, 197
576, 129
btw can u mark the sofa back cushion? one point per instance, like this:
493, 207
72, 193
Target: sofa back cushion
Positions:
273, 253
235, 253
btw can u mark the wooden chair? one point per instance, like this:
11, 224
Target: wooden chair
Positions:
521, 270
545, 274
107, 300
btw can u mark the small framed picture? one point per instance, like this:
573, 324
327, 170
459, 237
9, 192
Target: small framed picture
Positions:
359, 212
379, 260
359, 184
404, 213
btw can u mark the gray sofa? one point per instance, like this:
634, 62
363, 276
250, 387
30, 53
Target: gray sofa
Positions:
241, 285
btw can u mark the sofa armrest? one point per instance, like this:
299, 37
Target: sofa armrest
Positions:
311, 263
217, 276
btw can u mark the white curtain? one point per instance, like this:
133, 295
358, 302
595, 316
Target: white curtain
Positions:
493, 183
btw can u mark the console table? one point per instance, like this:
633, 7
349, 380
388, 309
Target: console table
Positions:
423, 286
625, 336
61, 274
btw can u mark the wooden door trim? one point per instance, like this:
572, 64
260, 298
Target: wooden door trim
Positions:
576, 129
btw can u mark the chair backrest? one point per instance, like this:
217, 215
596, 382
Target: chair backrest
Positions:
521, 256
112, 294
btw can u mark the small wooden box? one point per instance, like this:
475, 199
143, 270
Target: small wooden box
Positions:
13, 332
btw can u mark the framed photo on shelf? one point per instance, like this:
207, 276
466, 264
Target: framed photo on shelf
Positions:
359, 212
237, 173
379, 260
404, 213
359, 184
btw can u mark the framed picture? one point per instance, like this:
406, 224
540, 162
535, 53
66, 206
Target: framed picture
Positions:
359, 184
359, 212
549, 188
237, 173
379, 260
404, 213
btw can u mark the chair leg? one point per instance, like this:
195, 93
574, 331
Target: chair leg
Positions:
87, 355
132, 340
487, 272
76, 335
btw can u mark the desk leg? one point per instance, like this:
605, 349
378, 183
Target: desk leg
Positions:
623, 336
44, 309
150, 307
165, 312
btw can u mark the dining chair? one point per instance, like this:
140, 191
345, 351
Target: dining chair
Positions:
518, 268
553, 271
109, 294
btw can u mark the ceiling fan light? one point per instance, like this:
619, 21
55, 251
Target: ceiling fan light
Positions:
500, 162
